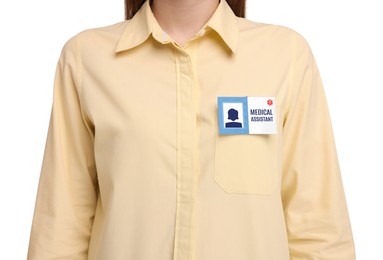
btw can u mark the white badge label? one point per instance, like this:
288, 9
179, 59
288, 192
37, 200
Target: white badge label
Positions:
247, 115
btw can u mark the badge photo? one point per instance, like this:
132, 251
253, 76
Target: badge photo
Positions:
232, 115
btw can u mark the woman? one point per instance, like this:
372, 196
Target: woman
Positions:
139, 163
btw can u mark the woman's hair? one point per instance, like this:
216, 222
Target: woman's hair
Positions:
132, 6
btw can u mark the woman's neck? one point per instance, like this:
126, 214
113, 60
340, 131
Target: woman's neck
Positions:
182, 19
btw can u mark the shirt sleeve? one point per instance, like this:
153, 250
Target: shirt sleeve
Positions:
315, 208
67, 190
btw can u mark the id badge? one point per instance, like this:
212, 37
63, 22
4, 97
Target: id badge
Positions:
247, 115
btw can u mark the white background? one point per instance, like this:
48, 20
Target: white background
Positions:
346, 39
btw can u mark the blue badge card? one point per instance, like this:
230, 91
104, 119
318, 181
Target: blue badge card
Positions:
246, 115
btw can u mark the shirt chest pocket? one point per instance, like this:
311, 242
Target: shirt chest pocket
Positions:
246, 164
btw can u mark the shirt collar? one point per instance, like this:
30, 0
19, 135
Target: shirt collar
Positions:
138, 29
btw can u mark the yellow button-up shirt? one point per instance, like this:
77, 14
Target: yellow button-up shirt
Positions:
134, 166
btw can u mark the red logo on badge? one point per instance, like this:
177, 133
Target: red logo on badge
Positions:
270, 102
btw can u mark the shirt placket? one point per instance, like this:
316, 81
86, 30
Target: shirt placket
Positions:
187, 169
